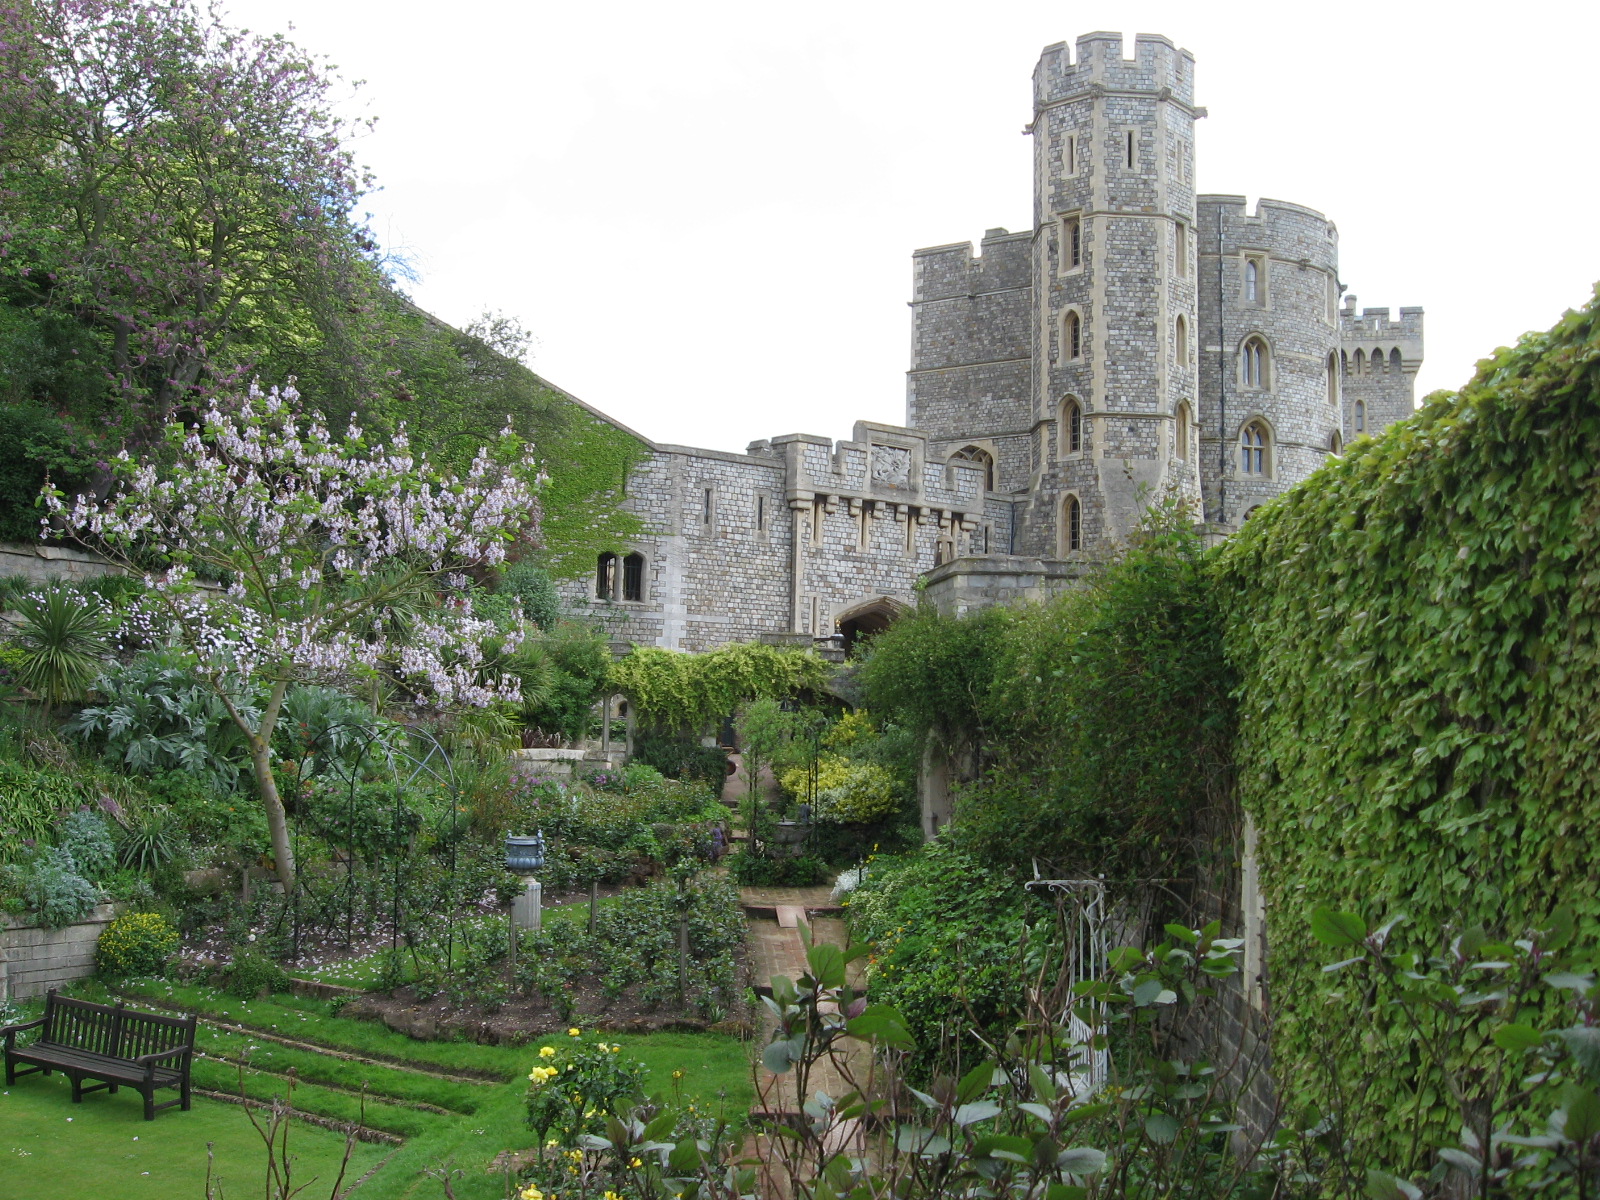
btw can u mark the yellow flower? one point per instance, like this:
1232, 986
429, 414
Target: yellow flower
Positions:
575, 1155
677, 1074
532, 1193
613, 1196
552, 1142
614, 1047
574, 1032
635, 1163
548, 1052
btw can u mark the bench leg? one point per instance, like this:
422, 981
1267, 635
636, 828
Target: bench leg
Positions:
11, 1072
184, 1092
150, 1105
77, 1088
112, 1088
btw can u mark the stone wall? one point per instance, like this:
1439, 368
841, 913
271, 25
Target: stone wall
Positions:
34, 959
41, 564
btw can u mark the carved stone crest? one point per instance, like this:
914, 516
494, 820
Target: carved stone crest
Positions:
891, 465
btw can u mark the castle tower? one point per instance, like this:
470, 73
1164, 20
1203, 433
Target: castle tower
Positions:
1269, 366
1115, 309
1378, 360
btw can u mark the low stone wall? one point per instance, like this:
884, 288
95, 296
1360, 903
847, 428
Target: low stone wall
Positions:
39, 563
564, 764
34, 959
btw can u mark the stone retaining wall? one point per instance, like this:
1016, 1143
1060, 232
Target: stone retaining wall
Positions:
34, 959
40, 563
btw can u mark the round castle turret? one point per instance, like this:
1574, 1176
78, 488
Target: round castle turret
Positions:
1269, 358
1114, 288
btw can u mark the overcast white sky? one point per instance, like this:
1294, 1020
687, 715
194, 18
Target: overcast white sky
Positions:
704, 212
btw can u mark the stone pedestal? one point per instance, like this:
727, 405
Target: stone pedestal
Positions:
527, 910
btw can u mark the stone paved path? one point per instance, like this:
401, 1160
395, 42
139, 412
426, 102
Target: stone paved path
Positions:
776, 949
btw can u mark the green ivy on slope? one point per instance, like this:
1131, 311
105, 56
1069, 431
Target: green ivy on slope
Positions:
1417, 631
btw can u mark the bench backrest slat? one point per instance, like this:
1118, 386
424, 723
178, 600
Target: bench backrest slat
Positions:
118, 1032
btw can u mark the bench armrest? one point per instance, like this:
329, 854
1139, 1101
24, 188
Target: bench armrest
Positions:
10, 1031
145, 1060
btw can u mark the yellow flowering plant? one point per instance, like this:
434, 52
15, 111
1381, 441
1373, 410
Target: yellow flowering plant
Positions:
596, 1080
136, 944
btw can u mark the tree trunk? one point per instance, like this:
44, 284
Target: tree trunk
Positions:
277, 818
267, 784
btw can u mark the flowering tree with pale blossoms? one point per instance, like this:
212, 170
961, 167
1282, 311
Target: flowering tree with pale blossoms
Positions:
325, 545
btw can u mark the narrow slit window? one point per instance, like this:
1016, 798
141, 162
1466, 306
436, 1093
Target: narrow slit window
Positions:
1252, 282
1071, 243
818, 512
1361, 417
1073, 519
864, 527
1130, 149
1182, 340
705, 507
1073, 336
1069, 153
761, 513
1181, 439
1181, 249
633, 577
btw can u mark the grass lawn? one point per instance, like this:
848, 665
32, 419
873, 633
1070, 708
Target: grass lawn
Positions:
53, 1149
481, 1118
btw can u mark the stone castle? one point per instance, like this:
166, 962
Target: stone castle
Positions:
1138, 340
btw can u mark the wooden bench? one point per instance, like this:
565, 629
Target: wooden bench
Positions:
115, 1045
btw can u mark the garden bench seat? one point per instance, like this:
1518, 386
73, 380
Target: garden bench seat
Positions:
112, 1044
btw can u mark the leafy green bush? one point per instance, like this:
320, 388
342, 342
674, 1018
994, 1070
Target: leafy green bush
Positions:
34, 798
683, 758
87, 837
951, 941
47, 883
251, 973
158, 717
136, 944
761, 870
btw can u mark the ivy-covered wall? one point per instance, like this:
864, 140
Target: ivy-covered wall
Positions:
1416, 630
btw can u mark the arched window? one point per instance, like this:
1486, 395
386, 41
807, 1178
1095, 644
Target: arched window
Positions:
1379, 365
1360, 367
1071, 426
605, 577
1072, 524
1252, 281
1333, 380
1256, 364
1253, 459
1182, 340
1072, 336
1335, 443
981, 457
1361, 415
1395, 362
1182, 436
633, 577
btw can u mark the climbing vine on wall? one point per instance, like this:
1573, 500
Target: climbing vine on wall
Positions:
588, 461
671, 689
1417, 631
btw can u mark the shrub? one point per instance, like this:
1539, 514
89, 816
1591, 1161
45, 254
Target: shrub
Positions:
149, 842
683, 758
251, 974
87, 838
48, 883
572, 1089
136, 944
759, 870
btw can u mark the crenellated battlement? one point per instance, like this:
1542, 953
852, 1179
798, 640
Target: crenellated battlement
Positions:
1157, 66
945, 272
1373, 329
